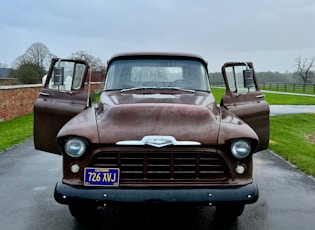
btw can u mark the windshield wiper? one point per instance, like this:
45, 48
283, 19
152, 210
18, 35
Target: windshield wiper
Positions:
169, 88
181, 89
136, 88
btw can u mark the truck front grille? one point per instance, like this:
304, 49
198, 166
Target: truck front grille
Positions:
163, 165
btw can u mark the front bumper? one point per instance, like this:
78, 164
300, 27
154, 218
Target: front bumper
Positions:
66, 194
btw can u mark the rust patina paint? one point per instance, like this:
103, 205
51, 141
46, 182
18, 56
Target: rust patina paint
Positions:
154, 116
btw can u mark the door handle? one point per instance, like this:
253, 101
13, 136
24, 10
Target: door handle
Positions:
260, 96
44, 94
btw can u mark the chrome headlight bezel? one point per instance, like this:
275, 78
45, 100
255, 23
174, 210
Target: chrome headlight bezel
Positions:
241, 148
75, 146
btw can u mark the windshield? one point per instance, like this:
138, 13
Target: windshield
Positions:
157, 73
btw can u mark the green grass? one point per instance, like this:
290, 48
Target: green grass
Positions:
281, 99
293, 137
274, 98
15, 131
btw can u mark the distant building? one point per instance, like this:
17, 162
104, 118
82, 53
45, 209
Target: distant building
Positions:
5, 72
4, 77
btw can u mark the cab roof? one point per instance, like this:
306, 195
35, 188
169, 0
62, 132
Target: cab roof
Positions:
152, 55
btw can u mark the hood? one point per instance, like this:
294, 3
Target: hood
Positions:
186, 117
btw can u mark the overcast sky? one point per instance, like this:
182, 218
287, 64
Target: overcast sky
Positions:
270, 33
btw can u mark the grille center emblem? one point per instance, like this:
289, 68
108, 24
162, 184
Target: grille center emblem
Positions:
157, 141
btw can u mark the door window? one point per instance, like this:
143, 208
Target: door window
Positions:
70, 79
239, 79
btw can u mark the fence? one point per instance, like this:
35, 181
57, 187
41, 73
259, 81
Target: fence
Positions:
289, 87
282, 87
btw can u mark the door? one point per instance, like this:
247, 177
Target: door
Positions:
62, 98
244, 99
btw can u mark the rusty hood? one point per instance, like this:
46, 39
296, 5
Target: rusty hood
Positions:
186, 117
123, 117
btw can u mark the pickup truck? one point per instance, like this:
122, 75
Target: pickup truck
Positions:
156, 136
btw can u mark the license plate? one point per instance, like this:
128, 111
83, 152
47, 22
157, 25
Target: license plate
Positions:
101, 176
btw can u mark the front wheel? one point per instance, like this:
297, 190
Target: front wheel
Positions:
83, 212
229, 210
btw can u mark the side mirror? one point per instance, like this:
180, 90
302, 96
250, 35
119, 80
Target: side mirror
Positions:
248, 77
58, 75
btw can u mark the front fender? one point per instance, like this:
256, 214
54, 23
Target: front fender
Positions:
84, 125
232, 127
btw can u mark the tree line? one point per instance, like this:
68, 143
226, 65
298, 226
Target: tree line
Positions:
30, 67
266, 77
304, 74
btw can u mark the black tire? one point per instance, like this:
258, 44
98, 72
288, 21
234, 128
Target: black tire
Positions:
229, 210
83, 212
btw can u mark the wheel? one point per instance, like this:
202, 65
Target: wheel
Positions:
229, 210
83, 212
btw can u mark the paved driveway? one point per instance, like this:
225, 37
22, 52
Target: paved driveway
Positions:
291, 109
28, 176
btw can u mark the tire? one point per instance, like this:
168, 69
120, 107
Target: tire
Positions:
83, 212
229, 210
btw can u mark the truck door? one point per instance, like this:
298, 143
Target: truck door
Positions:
62, 98
244, 99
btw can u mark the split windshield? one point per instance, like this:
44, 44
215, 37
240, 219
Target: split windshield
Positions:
157, 73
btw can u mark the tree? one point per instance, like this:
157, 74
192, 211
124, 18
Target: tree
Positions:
31, 66
28, 73
19, 61
3, 65
304, 67
37, 54
95, 63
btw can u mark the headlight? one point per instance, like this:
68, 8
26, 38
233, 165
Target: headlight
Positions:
240, 148
75, 147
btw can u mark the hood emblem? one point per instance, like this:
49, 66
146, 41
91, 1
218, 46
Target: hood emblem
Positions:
157, 141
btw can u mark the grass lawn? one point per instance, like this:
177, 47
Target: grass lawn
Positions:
15, 131
273, 98
291, 136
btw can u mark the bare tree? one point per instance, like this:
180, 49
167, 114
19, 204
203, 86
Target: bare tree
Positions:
32, 65
304, 67
37, 54
95, 63
3, 65
20, 60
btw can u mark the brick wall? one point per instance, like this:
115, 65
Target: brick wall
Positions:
7, 81
18, 100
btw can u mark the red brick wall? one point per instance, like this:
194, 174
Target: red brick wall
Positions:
18, 100
7, 81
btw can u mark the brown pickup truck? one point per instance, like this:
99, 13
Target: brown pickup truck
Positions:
156, 136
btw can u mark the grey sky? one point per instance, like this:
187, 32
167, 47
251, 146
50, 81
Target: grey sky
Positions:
270, 33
